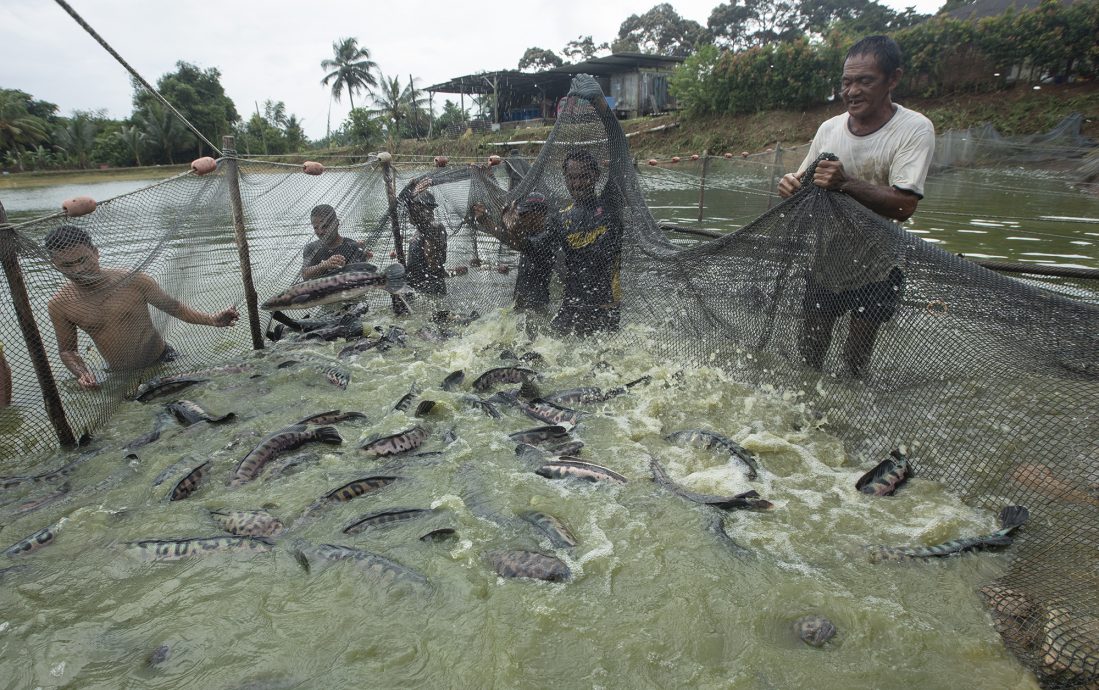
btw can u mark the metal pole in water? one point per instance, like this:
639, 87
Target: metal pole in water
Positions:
228, 145
9, 256
702, 187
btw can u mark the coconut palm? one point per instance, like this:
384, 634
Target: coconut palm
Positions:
76, 137
19, 130
396, 105
133, 139
351, 68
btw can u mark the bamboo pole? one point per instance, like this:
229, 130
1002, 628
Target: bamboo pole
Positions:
9, 256
776, 173
702, 186
399, 306
228, 145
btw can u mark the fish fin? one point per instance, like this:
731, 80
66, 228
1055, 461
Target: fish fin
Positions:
287, 321
748, 494
394, 278
329, 434
883, 468
223, 418
1013, 517
424, 407
529, 390
288, 363
643, 381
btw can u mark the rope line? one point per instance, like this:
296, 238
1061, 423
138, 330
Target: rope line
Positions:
106, 46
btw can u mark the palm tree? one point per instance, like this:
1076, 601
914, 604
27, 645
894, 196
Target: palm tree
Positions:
396, 104
351, 68
133, 139
76, 137
18, 128
162, 130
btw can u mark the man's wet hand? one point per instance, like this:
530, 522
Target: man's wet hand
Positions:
87, 381
336, 261
788, 185
227, 317
830, 175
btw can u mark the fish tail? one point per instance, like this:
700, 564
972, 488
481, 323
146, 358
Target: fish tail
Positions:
287, 321
329, 434
1012, 518
394, 278
643, 381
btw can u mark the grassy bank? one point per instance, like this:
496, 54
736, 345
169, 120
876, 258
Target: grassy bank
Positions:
56, 177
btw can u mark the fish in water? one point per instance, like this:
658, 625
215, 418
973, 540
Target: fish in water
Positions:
190, 482
158, 656
34, 542
1070, 646
167, 385
529, 564
376, 565
814, 630
884, 479
248, 523
251, 465
359, 346
749, 500
483, 405
305, 324
577, 396
291, 465
53, 475
339, 287
347, 331
717, 527
385, 518
453, 380
34, 504
501, 375
558, 533
176, 549
160, 424
545, 411
406, 440
424, 408
1011, 519
440, 535
406, 400
188, 413
333, 374
444, 316
332, 417
540, 434
359, 487
708, 440
566, 468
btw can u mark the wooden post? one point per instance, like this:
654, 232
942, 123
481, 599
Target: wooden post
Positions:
232, 171
776, 173
9, 256
399, 306
702, 187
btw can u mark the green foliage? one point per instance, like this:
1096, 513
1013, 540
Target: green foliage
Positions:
272, 133
451, 115
23, 125
199, 96
539, 59
660, 31
76, 135
363, 129
350, 68
401, 109
582, 48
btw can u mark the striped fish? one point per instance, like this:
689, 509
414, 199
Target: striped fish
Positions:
373, 564
540, 434
177, 549
558, 533
339, 287
406, 400
708, 439
385, 518
332, 417
248, 523
167, 385
483, 405
440, 535
33, 504
34, 542
251, 465
529, 564
545, 411
453, 380
353, 490
1011, 519
190, 482
409, 439
566, 468
884, 479
749, 500
188, 413
501, 375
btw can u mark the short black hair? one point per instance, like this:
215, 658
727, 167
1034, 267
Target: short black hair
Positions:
323, 212
583, 157
885, 50
66, 237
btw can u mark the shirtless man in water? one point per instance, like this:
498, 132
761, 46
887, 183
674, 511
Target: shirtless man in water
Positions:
112, 306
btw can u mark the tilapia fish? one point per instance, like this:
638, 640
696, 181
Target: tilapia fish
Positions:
558, 533
749, 500
1011, 519
176, 549
545, 411
540, 434
248, 523
708, 439
884, 479
453, 380
407, 440
190, 482
167, 385
188, 413
529, 564
385, 518
371, 563
501, 375
332, 417
251, 465
34, 542
339, 287
814, 630
565, 468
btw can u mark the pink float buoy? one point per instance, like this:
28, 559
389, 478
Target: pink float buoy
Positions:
494, 159
694, 156
312, 168
675, 159
204, 165
653, 161
441, 161
743, 154
728, 154
78, 206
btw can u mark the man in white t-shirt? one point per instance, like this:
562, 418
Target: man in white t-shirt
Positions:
884, 153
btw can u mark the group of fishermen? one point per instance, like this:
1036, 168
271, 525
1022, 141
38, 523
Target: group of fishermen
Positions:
884, 151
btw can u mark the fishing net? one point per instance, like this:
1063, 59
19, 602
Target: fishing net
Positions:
983, 145
990, 384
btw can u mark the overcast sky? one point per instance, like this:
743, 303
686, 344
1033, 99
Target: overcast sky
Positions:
273, 48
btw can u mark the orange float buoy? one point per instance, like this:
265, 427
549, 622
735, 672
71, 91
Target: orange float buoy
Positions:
728, 154
204, 165
494, 159
312, 168
694, 156
441, 161
653, 161
78, 206
675, 159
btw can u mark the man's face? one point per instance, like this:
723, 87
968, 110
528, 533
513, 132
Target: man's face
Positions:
865, 88
79, 263
325, 227
580, 181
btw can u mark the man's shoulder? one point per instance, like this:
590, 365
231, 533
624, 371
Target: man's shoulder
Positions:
911, 119
832, 124
311, 247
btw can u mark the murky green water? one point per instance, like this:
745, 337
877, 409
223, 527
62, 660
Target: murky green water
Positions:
655, 599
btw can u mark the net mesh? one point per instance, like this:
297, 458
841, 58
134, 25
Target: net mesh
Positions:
991, 384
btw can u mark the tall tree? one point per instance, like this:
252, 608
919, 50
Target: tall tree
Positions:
401, 108
133, 140
538, 59
163, 130
746, 23
199, 96
350, 68
582, 48
76, 137
660, 31
20, 128
856, 17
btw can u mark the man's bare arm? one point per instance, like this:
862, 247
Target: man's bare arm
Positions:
156, 296
67, 346
890, 202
